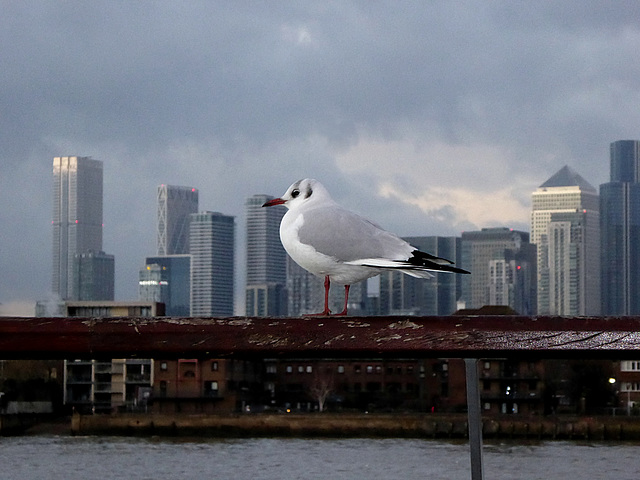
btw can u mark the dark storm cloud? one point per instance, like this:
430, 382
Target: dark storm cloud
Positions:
243, 97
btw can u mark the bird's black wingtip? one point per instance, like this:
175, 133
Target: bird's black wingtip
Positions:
422, 259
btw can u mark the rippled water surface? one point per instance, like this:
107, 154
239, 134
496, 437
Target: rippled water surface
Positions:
70, 458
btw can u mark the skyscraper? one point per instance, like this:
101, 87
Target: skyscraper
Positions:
565, 226
512, 279
167, 279
175, 204
266, 260
77, 216
212, 236
94, 276
403, 294
620, 229
482, 253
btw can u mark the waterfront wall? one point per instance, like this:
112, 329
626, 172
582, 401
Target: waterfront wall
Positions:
355, 425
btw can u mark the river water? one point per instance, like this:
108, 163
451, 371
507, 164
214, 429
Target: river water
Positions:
115, 458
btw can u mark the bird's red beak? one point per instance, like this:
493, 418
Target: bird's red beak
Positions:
275, 201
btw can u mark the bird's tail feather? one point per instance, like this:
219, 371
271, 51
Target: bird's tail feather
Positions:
419, 265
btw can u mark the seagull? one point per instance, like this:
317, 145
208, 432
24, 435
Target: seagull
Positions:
332, 242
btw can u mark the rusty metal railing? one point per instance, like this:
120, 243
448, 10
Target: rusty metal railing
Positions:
452, 336
468, 337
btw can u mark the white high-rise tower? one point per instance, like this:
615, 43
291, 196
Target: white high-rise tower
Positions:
565, 226
212, 265
77, 217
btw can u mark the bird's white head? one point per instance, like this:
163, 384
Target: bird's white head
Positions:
305, 192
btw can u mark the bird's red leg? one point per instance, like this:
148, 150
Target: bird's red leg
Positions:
346, 300
327, 285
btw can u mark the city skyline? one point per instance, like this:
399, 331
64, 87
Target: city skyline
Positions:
562, 180
430, 119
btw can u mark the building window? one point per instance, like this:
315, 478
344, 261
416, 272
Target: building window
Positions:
369, 368
630, 387
163, 366
214, 366
630, 366
378, 369
356, 368
272, 368
309, 369
300, 369
211, 389
289, 369
340, 368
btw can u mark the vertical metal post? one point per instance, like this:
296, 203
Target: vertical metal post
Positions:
474, 417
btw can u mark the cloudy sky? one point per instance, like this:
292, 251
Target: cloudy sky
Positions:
430, 117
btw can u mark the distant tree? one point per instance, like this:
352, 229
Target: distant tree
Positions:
322, 386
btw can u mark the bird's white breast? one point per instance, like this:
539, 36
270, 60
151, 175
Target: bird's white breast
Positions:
315, 262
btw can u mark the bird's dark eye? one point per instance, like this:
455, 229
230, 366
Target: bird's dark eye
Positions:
295, 193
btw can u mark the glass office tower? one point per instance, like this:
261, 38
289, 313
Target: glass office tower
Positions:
620, 231
265, 292
485, 250
77, 216
167, 279
175, 204
212, 250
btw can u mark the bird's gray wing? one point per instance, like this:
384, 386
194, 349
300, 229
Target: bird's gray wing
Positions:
347, 237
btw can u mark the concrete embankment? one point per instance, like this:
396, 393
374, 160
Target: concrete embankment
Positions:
356, 425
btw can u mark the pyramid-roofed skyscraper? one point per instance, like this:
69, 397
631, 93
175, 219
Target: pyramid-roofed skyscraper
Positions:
565, 226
